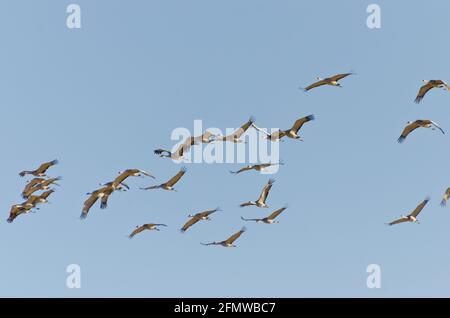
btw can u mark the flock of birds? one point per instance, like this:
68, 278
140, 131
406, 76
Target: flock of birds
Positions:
42, 182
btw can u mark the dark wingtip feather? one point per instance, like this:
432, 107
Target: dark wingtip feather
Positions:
401, 139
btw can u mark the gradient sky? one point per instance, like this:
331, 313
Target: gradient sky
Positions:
101, 98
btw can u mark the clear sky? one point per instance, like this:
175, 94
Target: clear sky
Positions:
102, 97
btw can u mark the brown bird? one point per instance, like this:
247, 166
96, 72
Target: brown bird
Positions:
413, 216
430, 84
259, 167
44, 185
332, 81
17, 210
201, 216
291, 133
261, 202
228, 242
103, 193
234, 137
179, 152
32, 183
268, 220
34, 200
39, 172
411, 126
150, 226
169, 184
123, 175
445, 197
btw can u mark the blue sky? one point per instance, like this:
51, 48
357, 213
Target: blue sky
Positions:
101, 98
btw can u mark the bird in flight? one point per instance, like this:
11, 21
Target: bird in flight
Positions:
44, 185
445, 197
201, 216
411, 126
169, 184
430, 84
258, 167
123, 175
17, 210
229, 241
149, 226
39, 172
413, 216
269, 219
290, 133
261, 202
178, 154
103, 194
34, 200
236, 135
332, 81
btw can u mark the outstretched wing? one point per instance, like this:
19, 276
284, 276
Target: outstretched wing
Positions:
260, 129
176, 178
400, 220
189, 223
241, 130
445, 197
235, 236
299, 123
88, 204
265, 191
422, 91
407, 130
255, 220
420, 207
276, 213
137, 231
44, 167
314, 85
339, 76
242, 170
245, 204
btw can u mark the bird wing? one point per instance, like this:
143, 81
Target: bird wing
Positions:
277, 135
400, 220
46, 194
242, 170
276, 213
245, 204
407, 130
419, 208
26, 194
339, 76
44, 167
235, 236
160, 151
445, 197
244, 219
145, 173
189, 223
260, 129
265, 191
422, 91
241, 130
437, 126
88, 204
314, 85
121, 177
137, 231
176, 178
206, 136
299, 122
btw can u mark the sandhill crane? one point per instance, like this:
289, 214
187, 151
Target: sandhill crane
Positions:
17, 210
291, 133
201, 216
430, 84
332, 81
44, 185
445, 197
413, 216
269, 219
103, 194
234, 137
169, 184
178, 153
32, 183
261, 202
34, 200
149, 226
123, 175
411, 126
39, 172
257, 167
229, 241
